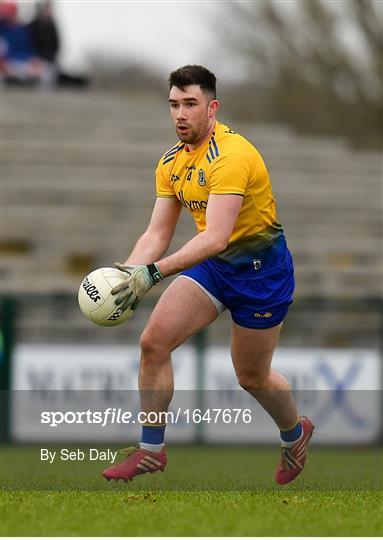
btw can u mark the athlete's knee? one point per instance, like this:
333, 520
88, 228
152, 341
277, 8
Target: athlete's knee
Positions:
253, 380
153, 345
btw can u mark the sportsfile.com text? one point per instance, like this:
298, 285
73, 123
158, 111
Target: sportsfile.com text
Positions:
114, 415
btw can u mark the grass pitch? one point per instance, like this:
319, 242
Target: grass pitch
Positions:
205, 491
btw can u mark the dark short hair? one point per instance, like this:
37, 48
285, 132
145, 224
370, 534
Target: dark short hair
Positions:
193, 74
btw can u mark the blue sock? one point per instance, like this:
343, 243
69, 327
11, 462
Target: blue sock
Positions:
290, 437
152, 438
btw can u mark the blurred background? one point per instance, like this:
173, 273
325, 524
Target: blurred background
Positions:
84, 120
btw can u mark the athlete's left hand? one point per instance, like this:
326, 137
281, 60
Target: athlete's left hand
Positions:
140, 278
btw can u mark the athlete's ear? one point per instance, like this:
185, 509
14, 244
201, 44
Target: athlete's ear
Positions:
213, 108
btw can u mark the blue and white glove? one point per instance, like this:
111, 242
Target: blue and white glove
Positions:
140, 278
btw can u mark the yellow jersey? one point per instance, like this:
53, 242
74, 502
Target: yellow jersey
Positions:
226, 163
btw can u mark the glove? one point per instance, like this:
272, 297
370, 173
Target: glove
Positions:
140, 279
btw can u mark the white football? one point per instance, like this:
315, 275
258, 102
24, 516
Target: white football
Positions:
97, 302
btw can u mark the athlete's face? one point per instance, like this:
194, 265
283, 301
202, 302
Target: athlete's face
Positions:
193, 112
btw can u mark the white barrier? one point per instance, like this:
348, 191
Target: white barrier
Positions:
338, 388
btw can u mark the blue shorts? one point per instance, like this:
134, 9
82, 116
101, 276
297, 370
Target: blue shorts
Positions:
255, 298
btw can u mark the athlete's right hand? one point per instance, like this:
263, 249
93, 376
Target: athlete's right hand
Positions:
140, 278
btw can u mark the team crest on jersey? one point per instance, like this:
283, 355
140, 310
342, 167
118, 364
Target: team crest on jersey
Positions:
174, 178
201, 177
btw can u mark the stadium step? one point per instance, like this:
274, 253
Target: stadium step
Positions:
78, 186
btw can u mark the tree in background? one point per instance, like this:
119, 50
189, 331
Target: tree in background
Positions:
314, 64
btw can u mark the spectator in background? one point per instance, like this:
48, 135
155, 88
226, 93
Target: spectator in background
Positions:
19, 62
46, 42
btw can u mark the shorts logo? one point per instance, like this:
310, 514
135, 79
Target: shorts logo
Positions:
265, 315
257, 264
201, 177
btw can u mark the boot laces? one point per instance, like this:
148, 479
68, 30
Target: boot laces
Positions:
128, 451
289, 461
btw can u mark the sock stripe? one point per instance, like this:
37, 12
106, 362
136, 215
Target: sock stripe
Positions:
292, 435
153, 435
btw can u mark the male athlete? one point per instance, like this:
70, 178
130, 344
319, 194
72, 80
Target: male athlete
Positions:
238, 261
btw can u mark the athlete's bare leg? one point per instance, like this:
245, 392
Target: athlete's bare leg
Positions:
252, 352
182, 311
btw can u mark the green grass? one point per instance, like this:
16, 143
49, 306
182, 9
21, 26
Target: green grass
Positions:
211, 491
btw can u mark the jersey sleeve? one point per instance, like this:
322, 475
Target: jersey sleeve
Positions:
163, 185
230, 174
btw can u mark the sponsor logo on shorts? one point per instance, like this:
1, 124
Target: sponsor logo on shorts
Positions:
264, 315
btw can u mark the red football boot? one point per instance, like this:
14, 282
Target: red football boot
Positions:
293, 459
138, 461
